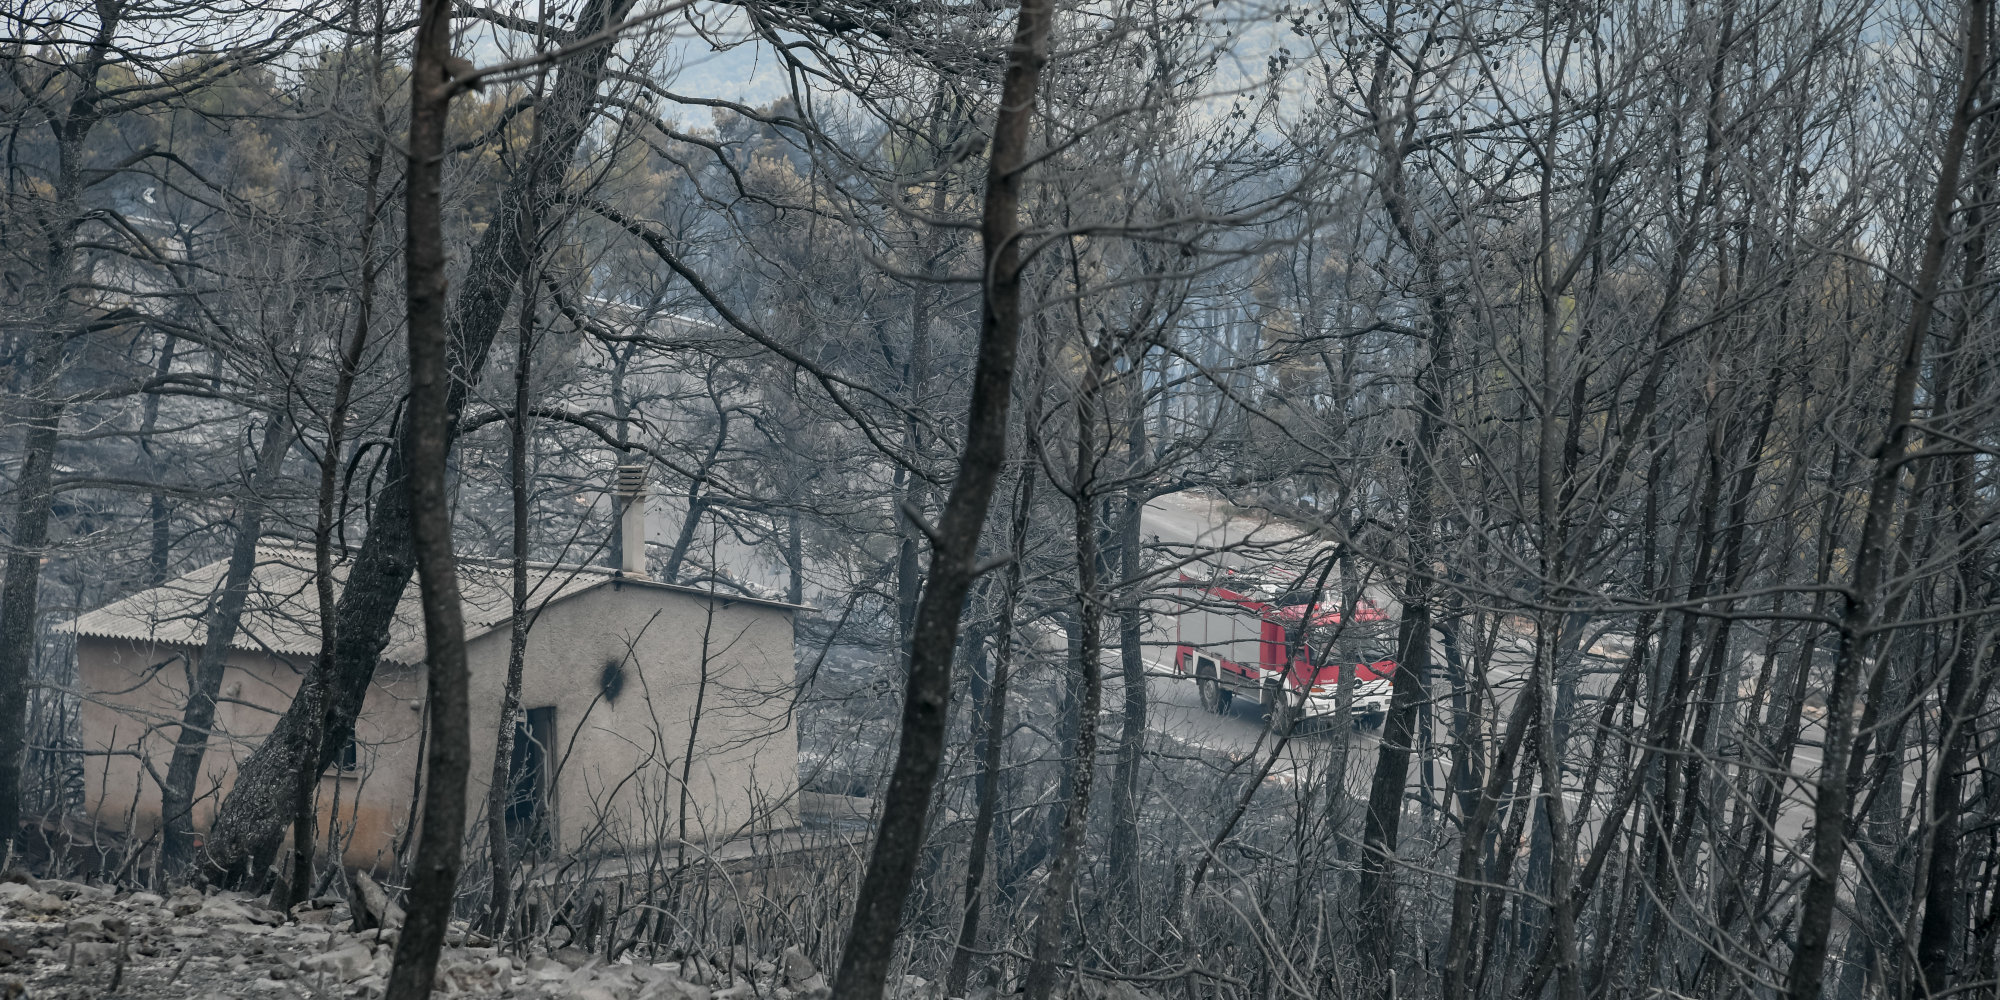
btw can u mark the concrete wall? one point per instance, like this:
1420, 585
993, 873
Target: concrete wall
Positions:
130, 717
617, 779
619, 759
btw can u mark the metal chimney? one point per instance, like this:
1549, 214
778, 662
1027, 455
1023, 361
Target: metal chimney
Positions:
631, 493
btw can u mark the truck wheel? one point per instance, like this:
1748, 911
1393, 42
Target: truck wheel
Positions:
1213, 697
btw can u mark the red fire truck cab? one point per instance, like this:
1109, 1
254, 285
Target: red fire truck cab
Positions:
1231, 637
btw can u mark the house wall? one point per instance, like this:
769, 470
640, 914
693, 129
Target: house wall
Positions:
134, 694
619, 760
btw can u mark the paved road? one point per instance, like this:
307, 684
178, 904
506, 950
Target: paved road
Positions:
1191, 524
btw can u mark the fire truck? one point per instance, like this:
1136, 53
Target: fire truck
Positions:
1232, 637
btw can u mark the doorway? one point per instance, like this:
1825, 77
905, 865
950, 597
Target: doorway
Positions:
529, 816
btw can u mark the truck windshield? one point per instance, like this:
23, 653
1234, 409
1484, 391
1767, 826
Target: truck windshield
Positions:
1352, 644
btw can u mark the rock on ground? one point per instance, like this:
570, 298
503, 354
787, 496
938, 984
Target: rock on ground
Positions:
67, 941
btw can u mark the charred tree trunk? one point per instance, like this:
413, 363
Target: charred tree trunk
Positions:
41, 414
500, 793
205, 678
993, 741
1127, 780
912, 496
19, 606
1068, 856
795, 561
1862, 600
1939, 957
871, 940
1467, 895
1555, 820
1383, 819
305, 810
427, 443
159, 553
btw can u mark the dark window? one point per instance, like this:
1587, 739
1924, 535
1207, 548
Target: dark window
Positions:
348, 760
